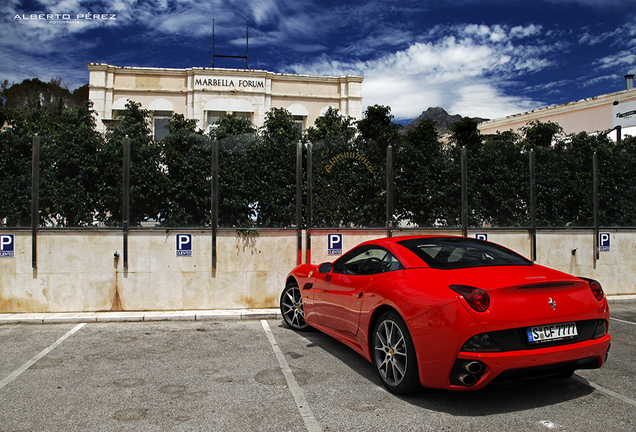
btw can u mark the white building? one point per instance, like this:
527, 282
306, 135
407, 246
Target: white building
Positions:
205, 94
592, 115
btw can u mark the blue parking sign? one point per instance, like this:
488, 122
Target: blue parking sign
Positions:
184, 244
334, 246
604, 242
482, 236
7, 245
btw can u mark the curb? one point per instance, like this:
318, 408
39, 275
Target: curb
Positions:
150, 316
620, 298
145, 316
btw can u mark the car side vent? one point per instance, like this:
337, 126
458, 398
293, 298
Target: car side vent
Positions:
308, 285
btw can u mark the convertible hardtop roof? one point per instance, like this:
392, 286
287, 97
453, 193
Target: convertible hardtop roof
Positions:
391, 240
455, 252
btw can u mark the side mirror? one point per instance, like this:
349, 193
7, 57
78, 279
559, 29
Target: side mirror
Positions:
324, 268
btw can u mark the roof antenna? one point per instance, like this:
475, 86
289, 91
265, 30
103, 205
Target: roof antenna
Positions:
247, 48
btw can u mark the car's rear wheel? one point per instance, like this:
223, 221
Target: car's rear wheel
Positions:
291, 307
394, 354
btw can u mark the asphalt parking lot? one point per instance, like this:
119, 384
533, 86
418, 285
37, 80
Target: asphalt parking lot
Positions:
256, 375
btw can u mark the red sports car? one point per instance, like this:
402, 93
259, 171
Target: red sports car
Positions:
451, 312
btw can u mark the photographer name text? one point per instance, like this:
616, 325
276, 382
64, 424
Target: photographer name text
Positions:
65, 17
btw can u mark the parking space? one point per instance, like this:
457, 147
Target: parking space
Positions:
226, 375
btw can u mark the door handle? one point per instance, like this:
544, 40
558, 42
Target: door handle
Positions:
359, 294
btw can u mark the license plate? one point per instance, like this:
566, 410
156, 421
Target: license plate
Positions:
551, 332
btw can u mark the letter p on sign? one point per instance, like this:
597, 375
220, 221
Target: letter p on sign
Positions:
184, 244
604, 241
7, 246
334, 246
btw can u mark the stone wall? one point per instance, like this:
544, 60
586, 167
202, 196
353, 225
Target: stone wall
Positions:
78, 270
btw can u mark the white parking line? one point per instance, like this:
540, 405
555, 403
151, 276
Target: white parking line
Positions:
623, 321
31, 362
304, 409
604, 390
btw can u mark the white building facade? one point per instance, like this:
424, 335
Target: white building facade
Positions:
592, 115
205, 94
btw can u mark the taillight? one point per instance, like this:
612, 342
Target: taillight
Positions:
597, 290
477, 298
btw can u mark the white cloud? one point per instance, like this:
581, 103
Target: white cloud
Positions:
463, 69
261, 10
485, 100
624, 60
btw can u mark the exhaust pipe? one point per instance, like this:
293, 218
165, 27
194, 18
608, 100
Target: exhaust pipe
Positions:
473, 367
467, 379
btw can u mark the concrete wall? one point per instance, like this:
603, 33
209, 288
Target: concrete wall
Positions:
615, 270
77, 271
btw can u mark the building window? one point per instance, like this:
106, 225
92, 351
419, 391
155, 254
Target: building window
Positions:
299, 121
160, 123
213, 116
247, 115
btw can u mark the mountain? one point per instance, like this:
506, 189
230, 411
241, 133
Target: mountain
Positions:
439, 115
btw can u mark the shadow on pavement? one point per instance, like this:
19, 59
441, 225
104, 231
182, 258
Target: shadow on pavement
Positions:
487, 401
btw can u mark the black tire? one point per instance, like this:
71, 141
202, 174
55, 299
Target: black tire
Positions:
394, 354
291, 307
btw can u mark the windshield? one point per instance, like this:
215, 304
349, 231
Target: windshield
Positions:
462, 252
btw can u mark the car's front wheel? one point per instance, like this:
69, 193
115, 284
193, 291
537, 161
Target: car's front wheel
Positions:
291, 307
394, 354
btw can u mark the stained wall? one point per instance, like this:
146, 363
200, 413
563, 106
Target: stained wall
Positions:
79, 271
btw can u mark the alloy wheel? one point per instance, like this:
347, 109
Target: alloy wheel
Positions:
390, 352
291, 306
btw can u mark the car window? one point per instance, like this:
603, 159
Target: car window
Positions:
462, 252
367, 260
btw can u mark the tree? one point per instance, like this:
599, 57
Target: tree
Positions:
15, 164
420, 177
377, 132
617, 171
70, 169
377, 125
146, 180
541, 135
503, 179
331, 124
464, 134
563, 173
237, 171
33, 94
337, 168
187, 170
275, 188
229, 125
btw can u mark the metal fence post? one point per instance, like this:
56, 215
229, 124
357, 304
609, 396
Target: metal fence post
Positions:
595, 199
214, 215
389, 190
126, 197
464, 185
35, 199
533, 208
299, 200
310, 198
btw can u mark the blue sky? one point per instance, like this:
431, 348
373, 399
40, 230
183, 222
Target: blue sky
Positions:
485, 58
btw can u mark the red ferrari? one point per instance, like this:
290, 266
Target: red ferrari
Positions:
451, 312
